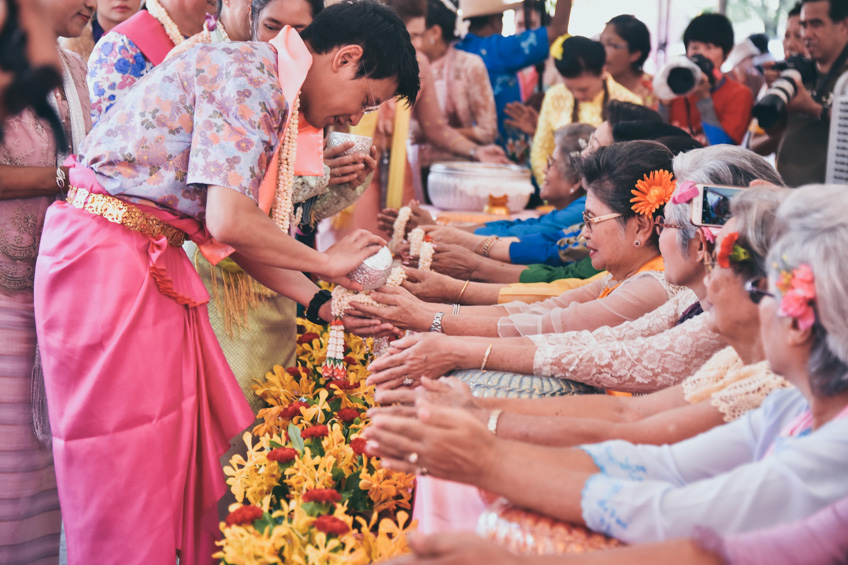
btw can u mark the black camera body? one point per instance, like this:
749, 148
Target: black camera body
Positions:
795, 72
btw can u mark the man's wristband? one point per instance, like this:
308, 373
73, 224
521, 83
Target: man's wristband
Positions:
315, 304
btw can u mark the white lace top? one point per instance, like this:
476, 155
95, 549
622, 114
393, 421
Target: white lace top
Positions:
581, 309
646, 355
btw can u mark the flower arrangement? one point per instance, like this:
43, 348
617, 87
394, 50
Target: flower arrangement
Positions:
652, 192
798, 290
307, 491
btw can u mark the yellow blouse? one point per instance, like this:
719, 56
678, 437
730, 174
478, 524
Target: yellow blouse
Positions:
556, 112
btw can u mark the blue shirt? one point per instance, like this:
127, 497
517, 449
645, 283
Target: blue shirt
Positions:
504, 57
550, 248
552, 222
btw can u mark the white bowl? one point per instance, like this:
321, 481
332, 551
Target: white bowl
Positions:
467, 186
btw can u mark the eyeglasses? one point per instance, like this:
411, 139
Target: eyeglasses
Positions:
612, 45
590, 221
366, 109
660, 225
755, 293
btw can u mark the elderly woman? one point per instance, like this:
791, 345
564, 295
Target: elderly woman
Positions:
778, 463
626, 247
605, 356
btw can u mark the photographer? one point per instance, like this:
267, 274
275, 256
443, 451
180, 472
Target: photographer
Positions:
719, 109
802, 153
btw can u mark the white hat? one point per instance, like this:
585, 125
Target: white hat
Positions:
474, 8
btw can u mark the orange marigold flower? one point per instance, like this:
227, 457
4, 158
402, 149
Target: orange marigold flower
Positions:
331, 525
244, 515
322, 495
314, 431
652, 192
348, 415
358, 445
726, 249
282, 454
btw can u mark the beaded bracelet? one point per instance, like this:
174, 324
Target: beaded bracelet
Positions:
487, 245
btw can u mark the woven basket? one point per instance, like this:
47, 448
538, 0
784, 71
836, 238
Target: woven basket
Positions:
502, 384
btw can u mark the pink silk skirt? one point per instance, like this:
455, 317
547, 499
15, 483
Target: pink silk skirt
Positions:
445, 506
142, 402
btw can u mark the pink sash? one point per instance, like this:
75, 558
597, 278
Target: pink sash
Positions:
148, 34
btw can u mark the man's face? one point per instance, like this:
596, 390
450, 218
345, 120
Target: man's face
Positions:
331, 95
823, 38
793, 38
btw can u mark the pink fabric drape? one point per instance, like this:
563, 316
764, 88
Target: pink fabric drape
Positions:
142, 401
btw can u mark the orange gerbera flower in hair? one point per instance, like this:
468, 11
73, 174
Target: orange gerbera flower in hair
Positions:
652, 192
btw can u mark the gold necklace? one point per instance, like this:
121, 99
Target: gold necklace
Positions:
155, 9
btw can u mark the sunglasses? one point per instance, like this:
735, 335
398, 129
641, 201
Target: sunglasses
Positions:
754, 289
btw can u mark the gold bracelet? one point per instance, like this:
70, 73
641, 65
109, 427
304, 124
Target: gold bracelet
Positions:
461, 292
486, 357
487, 245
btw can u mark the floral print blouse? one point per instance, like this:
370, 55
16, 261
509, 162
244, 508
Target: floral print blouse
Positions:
211, 116
115, 65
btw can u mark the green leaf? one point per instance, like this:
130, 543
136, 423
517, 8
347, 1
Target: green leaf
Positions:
316, 508
264, 524
275, 445
294, 436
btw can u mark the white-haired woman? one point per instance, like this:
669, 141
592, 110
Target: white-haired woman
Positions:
667, 347
781, 462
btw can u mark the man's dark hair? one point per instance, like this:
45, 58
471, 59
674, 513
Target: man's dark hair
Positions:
581, 55
481, 21
440, 15
637, 36
619, 111
256, 7
838, 10
795, 12
642, 130
408, 9
710, 28
387, 50
611, 173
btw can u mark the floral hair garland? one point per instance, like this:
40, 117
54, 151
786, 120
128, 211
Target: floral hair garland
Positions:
653, 192
798, 290
731, 251
556, 46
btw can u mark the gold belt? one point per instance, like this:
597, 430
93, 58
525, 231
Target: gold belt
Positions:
120, 212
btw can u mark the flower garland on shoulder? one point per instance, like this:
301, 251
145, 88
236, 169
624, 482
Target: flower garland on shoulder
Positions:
281, 212
155, 9
653, 192
798, 295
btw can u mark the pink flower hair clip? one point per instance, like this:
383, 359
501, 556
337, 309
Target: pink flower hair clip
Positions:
798, 291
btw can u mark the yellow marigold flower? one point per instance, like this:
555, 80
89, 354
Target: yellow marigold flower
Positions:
652, 192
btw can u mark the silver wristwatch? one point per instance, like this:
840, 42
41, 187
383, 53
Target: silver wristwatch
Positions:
436, 326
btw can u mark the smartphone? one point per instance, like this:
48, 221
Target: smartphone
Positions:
712, 205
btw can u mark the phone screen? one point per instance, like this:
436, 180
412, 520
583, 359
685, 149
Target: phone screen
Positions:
715, 209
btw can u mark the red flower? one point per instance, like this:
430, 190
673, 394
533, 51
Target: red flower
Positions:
307, 338
349, 360
244, 515
723, 257
358, 445
293, 409
322, 495
282, 455
294, 371
343, 384
315, 431
348, 415
428, 238
331, 525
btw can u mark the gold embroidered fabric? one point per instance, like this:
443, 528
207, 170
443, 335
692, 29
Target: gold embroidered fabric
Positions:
119, 212
735, 388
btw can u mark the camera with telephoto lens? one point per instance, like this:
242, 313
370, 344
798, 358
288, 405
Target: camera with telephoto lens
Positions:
794, 73
681, 76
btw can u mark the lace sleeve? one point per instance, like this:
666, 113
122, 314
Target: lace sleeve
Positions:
632, 363
630, 300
